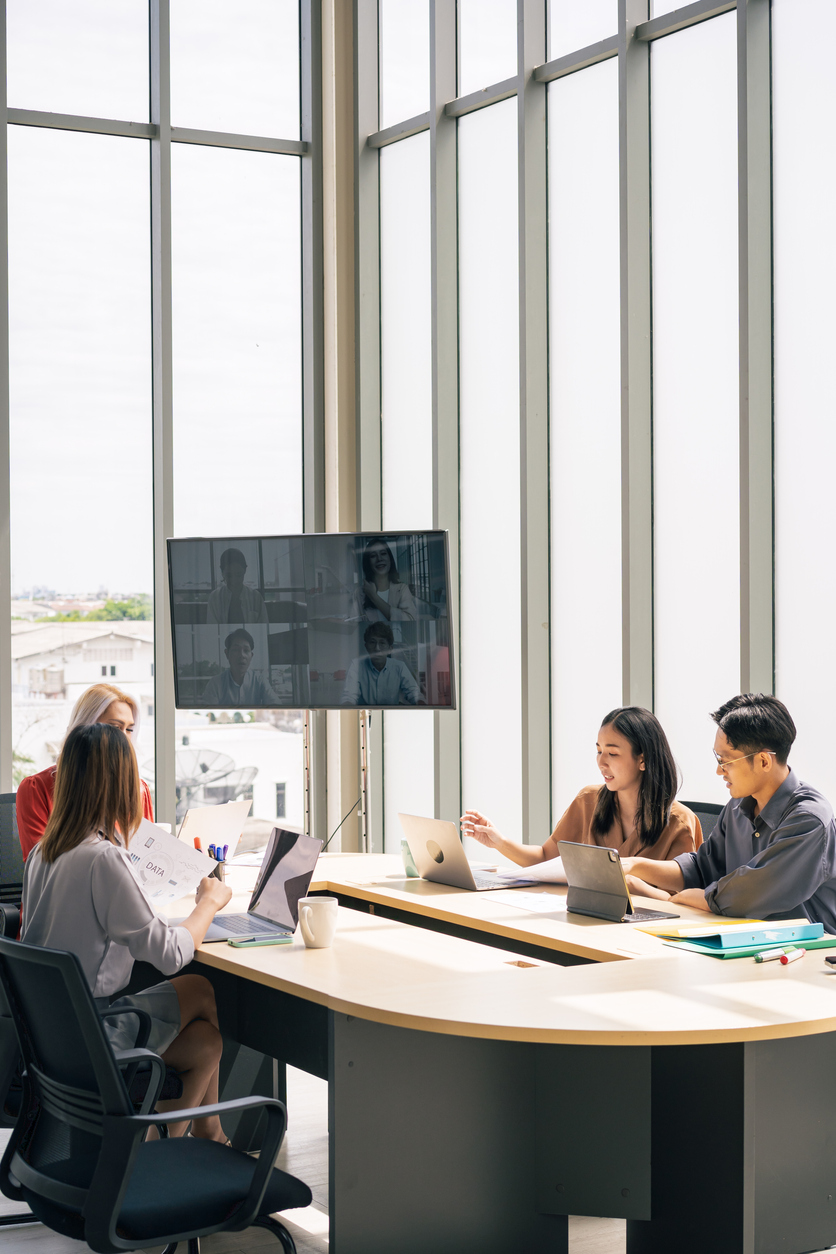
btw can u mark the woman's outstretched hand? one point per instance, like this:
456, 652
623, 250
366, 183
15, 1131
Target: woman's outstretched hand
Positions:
480, 828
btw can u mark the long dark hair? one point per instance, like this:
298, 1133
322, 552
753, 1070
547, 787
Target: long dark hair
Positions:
659, 780
96, 790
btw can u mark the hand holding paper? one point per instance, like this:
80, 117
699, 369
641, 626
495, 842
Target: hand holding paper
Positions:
166, 868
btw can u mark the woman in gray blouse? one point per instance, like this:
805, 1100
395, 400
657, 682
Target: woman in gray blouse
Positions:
80, 894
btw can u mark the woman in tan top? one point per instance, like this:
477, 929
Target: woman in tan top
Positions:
635, 810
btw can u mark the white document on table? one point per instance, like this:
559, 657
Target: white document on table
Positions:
534, 903
216, 825
548, 872
165, 867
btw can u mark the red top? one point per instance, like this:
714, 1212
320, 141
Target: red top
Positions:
34, 806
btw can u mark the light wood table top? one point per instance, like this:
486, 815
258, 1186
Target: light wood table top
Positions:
390, 972
380, 879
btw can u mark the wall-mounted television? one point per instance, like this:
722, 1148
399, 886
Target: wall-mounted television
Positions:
315, 621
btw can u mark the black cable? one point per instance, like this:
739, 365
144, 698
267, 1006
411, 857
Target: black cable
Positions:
339, 825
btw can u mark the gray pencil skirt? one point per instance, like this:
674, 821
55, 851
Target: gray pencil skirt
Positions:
161, 1004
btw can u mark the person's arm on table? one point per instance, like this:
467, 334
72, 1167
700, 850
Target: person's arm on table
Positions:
785, 874
211, 896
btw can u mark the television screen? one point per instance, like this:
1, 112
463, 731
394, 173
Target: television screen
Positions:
316, 621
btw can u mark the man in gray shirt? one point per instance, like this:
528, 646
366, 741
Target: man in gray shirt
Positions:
773, 851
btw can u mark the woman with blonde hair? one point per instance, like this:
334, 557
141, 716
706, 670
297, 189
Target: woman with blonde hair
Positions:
80, 894
103, 703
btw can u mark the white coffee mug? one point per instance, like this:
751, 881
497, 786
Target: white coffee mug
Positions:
318, 921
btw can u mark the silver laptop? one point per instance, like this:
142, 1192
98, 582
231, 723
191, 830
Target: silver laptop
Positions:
438, 854
284, 879
597, 885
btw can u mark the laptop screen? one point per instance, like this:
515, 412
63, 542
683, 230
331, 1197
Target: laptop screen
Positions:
285, 877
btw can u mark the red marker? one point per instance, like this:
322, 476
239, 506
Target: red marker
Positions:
791, 957
197, 845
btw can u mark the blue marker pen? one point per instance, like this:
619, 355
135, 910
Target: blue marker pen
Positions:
212, 852
226, 848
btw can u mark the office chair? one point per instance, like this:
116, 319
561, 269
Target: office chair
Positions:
707, 813
11, 855
76, 1155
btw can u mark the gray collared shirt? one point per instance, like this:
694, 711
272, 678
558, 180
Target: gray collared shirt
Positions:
779, 864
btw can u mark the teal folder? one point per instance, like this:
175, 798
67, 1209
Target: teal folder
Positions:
749, 951
763, 934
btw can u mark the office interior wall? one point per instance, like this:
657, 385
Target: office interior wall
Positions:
804, 110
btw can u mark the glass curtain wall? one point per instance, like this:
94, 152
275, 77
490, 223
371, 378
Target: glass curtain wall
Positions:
804, 138
406, 433
641, 540
695, 390
85, 460
80, 418
585, 419
489, 433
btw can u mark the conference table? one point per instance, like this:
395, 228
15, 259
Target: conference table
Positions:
479, 1095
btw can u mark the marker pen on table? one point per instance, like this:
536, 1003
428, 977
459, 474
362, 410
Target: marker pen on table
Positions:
791, 957
769, 955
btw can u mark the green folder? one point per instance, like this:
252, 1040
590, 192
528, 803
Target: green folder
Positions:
749, 951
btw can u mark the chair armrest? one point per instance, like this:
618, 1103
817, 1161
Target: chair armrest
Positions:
119, 1146
9, 921
144, 1022
124, 1057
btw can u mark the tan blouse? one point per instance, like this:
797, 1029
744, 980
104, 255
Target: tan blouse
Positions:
683, 833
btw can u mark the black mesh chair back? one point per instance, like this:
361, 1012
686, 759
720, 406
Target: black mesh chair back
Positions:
77, 1156
707, 812
11, 855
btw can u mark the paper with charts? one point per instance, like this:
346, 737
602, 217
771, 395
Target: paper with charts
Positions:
166, 868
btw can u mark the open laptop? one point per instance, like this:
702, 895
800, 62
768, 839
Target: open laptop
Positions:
283, 880
597, 885
438, 855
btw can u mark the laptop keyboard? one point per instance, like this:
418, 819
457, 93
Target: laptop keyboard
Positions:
489, 879
246, 925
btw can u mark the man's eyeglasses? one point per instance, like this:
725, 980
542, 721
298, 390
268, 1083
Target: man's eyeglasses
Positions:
732, 761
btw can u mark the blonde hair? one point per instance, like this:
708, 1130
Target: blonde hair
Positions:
96, 790
92, 704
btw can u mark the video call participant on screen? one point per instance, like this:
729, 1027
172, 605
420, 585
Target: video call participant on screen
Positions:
634, 811
80, 894
380, 679
238, 685
103, 703
773, 851
384, 598
231, 602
